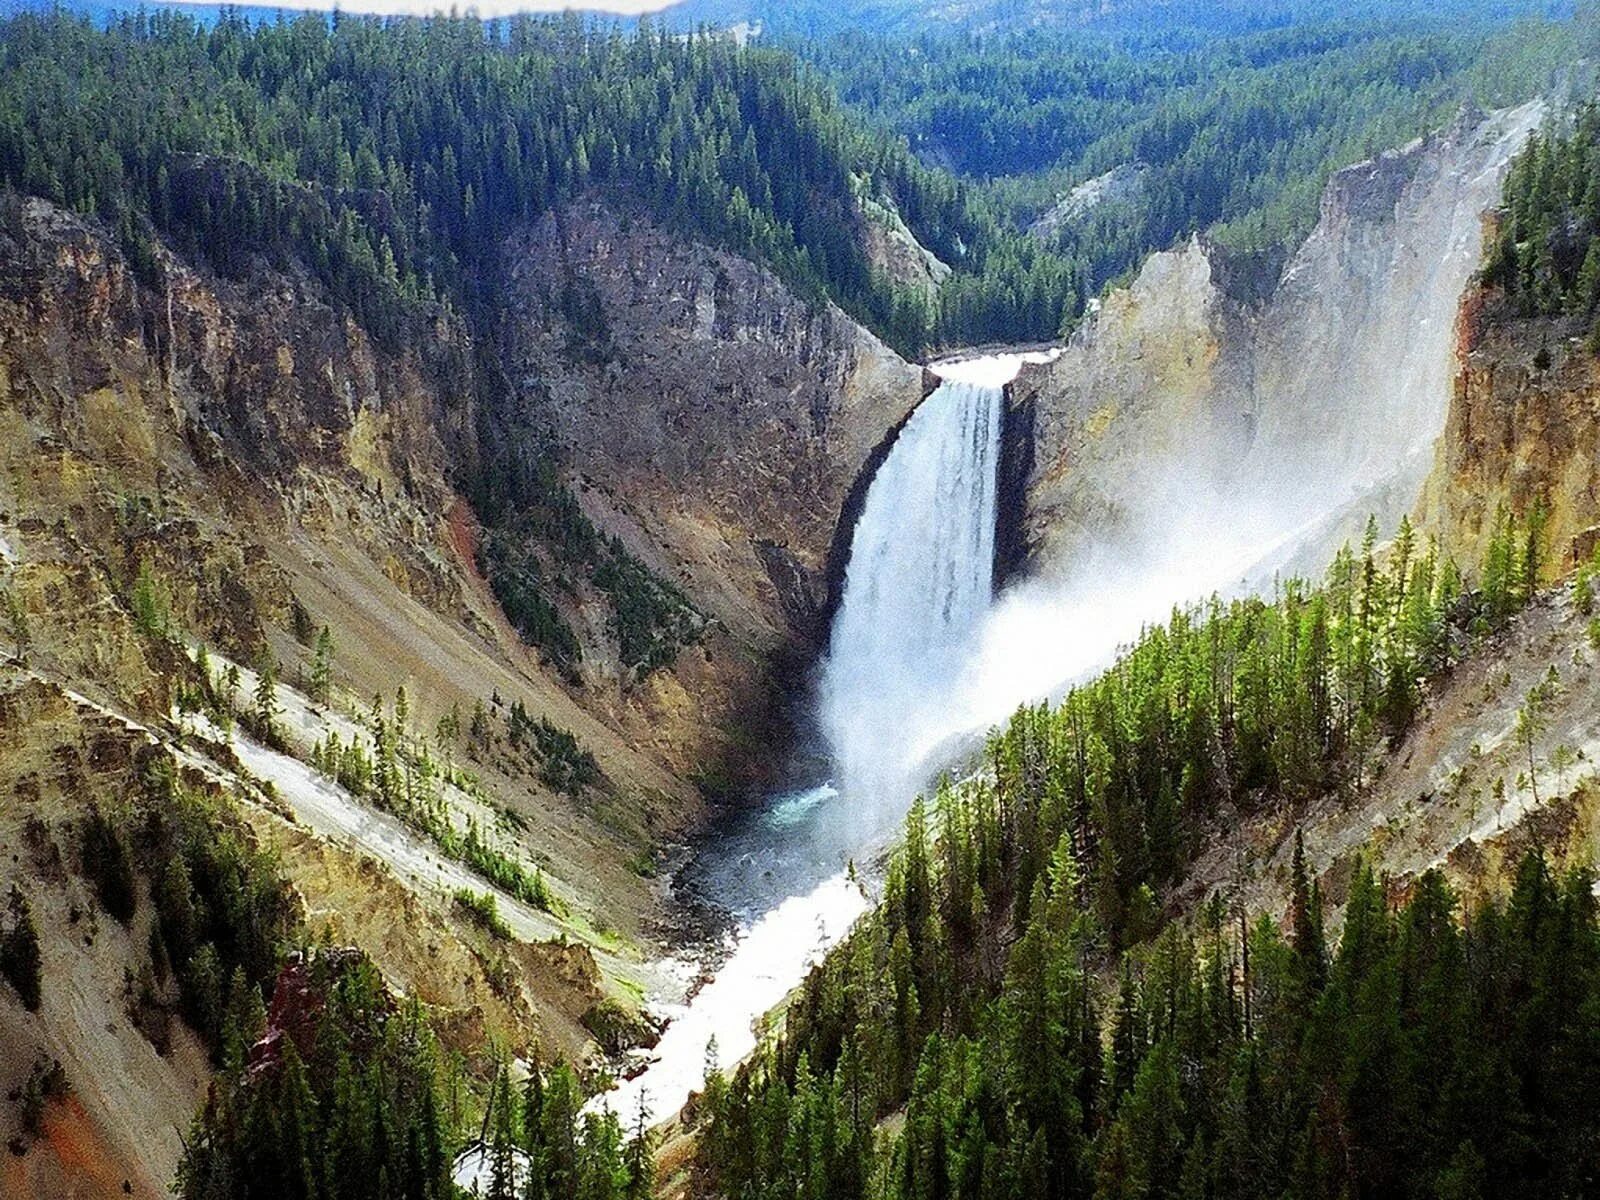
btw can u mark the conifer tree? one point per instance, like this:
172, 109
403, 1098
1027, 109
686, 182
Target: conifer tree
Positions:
322, 667
266, 696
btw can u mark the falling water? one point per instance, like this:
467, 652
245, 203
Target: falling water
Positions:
917, 591
919, 582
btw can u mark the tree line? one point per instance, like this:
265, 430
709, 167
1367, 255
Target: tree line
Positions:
1545, 249
1233, 135
1432, 1053
353, 1097
393, 157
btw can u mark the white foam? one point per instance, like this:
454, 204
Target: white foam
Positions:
768, 959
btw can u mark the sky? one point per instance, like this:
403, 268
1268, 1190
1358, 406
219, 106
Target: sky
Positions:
483, 8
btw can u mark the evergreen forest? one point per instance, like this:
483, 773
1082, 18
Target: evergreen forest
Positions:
1020, 1018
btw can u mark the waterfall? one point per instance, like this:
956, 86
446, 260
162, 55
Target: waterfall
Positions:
919, 581
917, 593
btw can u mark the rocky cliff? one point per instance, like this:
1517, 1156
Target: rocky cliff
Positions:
1523, 431
716, 423
188, 459
244, 438
1179, 411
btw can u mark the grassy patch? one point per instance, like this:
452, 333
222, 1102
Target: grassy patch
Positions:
482, 910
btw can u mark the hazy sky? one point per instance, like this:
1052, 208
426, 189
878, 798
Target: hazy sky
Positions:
484, 8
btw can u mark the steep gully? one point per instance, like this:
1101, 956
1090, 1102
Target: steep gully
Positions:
1181, 444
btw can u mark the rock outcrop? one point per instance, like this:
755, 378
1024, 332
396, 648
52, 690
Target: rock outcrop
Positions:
1178, 408
188, 423
1523, 431
728, 417
716, 423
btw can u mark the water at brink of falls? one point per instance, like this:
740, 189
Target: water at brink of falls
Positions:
918, 584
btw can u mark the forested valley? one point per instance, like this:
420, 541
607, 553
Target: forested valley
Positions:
1027, 1008
1232, 137
393, 158
1423, 1051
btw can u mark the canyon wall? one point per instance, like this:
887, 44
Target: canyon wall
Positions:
727, 415
238, 433
188, 458
1177, 407
1523, 431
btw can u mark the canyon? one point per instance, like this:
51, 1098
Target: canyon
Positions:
665, 412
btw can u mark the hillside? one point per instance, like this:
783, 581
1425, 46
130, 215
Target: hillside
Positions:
1298, 895
195, 459
432, 461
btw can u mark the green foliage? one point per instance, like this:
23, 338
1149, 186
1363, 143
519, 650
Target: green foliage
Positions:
1159, 24
1511, 566
152, 605
501, 870
1225, 1068
517, 578
1546, 250
321, 682
394, 157
264, 715
1221, 1067
481, 909
20, 961
349, 1103
617, 1029
346, 762
16, 622
108, 865
651, 620
249, 142
1232, 135
222, 903
46, 1081
300, 623
565, 765
360, 1102
400, 778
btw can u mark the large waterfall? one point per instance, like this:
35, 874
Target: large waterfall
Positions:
917, 594
919, 581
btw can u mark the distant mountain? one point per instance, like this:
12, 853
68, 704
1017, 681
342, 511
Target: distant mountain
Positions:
1159, 18
1165, 20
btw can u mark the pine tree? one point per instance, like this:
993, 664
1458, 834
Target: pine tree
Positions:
322, 667
1305, 920
1127, 1039
640, 1159
266, 696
